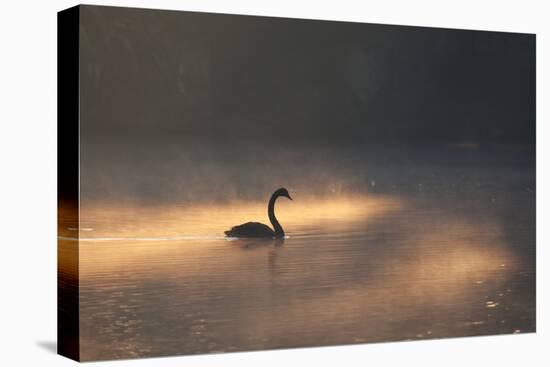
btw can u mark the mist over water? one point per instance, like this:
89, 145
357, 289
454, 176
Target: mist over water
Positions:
172, 171
381, 245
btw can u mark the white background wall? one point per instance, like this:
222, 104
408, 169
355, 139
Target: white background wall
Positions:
28, 181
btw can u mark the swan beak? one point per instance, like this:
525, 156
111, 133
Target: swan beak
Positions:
289, 197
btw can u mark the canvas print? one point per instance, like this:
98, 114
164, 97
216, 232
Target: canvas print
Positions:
239, 183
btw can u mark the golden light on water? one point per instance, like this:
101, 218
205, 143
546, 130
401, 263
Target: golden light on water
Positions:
368, 268
210, 220
138, 235
115, 234
435, 272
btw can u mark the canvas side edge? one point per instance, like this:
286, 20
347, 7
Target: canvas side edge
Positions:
68, 330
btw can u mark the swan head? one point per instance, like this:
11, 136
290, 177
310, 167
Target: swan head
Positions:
282, 192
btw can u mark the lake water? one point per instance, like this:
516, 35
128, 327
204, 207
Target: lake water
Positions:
442, 253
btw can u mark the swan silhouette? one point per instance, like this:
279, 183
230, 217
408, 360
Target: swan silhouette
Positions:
260, 230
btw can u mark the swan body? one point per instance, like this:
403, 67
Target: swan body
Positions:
260, 230
251, 230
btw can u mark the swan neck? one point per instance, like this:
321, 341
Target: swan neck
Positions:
271, 213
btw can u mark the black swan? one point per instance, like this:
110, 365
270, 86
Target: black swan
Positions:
260, 230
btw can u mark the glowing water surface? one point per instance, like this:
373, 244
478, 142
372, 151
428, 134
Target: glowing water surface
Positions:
163, 280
